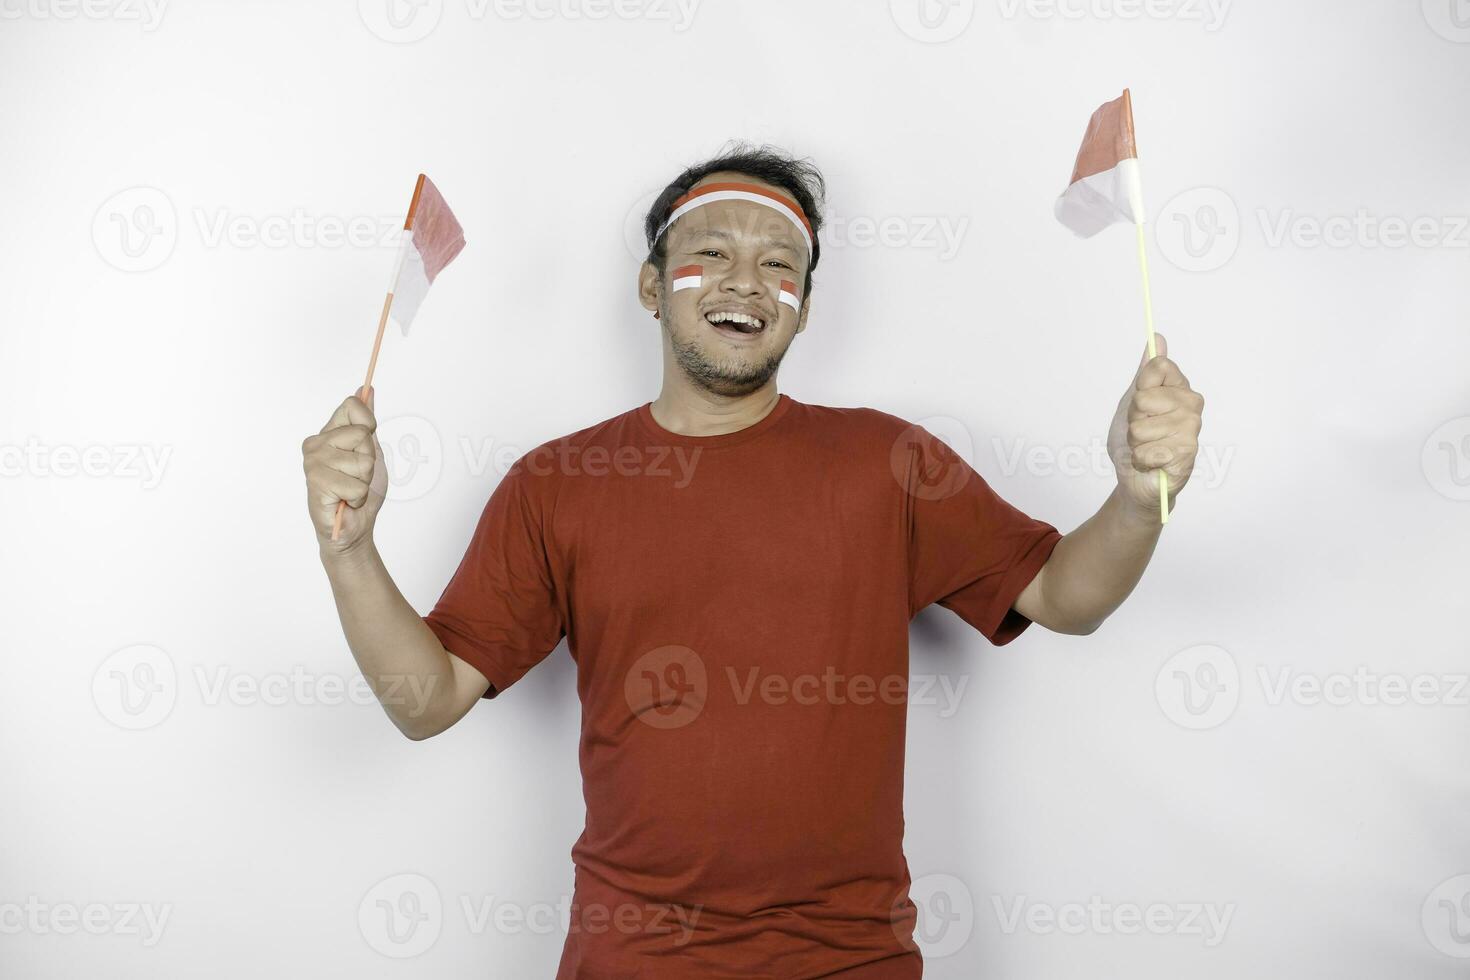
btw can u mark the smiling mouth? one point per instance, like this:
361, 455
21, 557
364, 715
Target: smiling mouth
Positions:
736, 324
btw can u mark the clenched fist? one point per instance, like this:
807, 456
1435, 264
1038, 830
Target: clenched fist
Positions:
1156, 427
345, 462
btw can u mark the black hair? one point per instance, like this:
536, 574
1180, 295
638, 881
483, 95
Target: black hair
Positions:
799, 178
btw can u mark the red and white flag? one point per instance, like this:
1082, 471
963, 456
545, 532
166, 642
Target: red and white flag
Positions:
432, 237
1106, 185
1106, 188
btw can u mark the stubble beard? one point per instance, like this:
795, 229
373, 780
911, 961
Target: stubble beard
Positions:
729, 378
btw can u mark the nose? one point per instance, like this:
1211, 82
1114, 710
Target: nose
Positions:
742, 278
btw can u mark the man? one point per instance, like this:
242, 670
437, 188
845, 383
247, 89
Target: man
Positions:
735, 572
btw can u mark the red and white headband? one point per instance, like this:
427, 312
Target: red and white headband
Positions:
734, 191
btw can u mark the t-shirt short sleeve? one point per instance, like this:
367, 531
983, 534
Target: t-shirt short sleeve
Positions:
969, 550
500, 611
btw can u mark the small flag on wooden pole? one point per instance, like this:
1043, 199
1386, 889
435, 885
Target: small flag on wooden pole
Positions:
432, 237
1106, 187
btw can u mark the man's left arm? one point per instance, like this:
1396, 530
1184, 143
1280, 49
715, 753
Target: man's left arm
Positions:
1094, 568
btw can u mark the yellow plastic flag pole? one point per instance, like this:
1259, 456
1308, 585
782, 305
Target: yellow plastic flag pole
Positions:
1153, 351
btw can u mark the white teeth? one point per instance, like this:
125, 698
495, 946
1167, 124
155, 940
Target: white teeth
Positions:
724, 317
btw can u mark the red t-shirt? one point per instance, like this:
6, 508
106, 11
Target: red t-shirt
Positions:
738, 606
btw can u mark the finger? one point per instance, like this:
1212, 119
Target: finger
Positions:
329, 486
1153, 428
379, 477
1161, 371
352, 411
354, 464
348, 437
1164, 454
1161, 401
1161, 346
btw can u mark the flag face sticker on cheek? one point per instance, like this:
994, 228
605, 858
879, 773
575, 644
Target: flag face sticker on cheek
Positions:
789, 295
688, 277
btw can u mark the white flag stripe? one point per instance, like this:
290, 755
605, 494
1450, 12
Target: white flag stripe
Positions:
1092, 203
410, 287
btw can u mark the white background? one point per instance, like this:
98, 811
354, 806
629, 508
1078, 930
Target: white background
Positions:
1328, 537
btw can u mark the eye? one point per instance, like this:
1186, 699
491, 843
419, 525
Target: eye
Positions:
709, 251
781, 264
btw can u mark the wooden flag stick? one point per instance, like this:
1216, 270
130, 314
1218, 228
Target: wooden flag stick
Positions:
362, 393
418, 189
1153, 351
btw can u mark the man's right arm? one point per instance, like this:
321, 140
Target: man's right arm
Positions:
423, 687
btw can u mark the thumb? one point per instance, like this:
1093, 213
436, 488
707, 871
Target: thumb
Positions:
1161, 348
365, 398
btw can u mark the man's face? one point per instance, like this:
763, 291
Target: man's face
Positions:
745, 250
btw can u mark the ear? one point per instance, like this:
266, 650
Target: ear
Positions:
806, 305
648, 278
